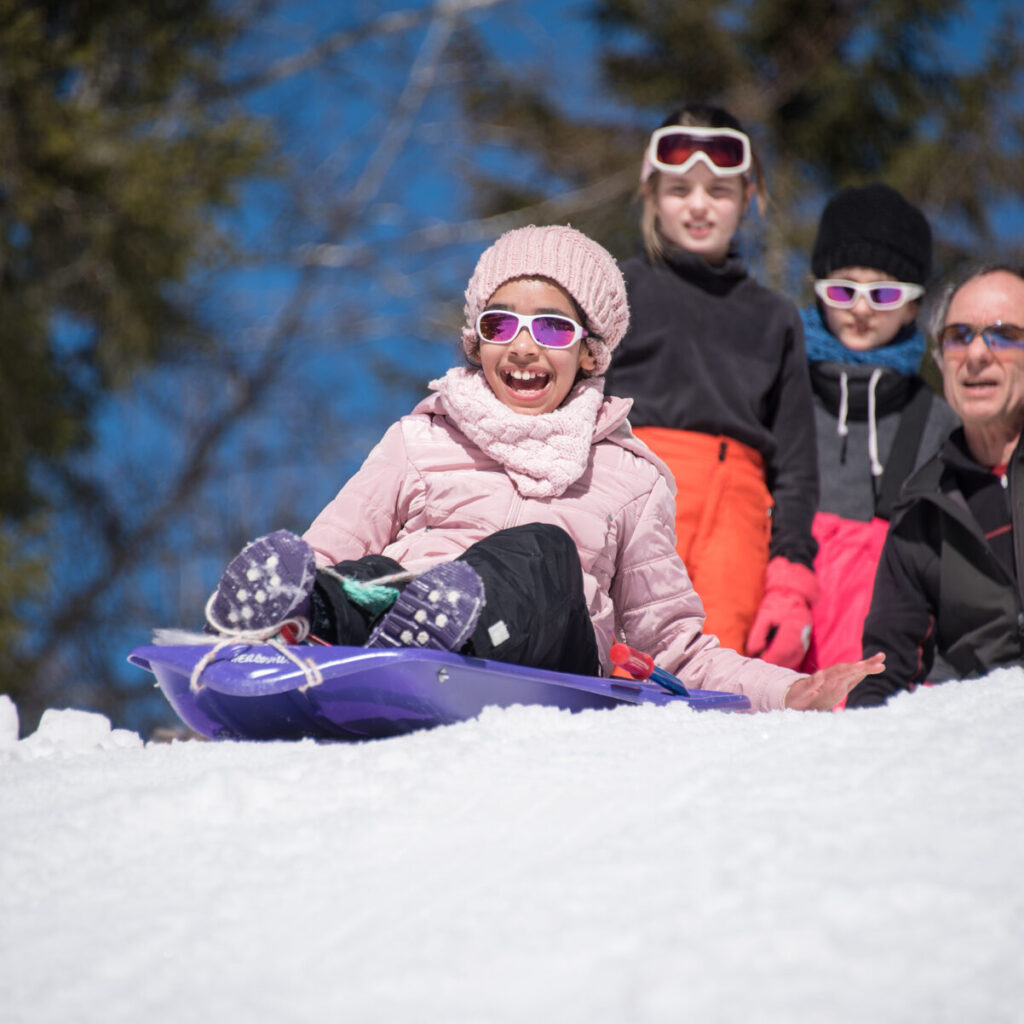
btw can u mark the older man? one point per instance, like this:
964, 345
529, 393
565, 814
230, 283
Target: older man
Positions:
949, 581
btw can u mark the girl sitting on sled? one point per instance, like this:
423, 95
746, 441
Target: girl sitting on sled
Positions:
512, 515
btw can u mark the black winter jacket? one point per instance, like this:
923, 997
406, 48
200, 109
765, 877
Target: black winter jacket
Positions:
940, 587
711, 350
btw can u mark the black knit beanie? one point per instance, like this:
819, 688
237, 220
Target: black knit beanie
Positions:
875, 227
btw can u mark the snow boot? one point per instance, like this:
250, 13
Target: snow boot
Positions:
438, 609
265, 587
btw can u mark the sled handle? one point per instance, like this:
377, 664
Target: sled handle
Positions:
641, 666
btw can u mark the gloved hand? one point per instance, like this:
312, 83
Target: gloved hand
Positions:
781, 632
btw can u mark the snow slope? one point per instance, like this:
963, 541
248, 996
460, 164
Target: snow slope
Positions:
640, 864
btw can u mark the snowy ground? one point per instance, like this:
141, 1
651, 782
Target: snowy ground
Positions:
640, 864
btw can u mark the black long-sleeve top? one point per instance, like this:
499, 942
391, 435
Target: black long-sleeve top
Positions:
711, 350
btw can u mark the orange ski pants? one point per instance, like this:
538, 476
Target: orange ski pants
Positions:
723, 524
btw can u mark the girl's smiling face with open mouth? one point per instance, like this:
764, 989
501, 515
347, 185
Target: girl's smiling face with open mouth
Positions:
525, 376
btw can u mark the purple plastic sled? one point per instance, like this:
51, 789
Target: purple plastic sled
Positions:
251, 691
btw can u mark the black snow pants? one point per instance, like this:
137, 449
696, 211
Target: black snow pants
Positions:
535, 612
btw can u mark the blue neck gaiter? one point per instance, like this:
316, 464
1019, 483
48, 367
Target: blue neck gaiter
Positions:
903, 354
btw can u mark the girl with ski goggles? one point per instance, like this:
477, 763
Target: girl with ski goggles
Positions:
839, 293
703, 360
698, 151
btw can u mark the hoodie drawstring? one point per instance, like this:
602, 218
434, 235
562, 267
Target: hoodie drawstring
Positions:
843, 428
876, 466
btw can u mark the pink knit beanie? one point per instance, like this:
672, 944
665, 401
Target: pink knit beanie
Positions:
577, 263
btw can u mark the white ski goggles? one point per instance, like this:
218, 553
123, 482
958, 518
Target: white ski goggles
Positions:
676, 148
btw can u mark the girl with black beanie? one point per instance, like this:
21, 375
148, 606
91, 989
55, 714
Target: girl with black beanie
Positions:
877, 420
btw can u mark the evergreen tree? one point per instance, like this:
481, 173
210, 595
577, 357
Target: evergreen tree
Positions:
114, 162
834, 94
111, 166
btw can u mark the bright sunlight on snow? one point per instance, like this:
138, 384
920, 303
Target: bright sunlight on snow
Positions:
641, 864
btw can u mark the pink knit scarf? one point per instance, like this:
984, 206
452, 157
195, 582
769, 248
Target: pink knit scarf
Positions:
542, 454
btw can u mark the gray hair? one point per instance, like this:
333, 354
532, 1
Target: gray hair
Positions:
939, 299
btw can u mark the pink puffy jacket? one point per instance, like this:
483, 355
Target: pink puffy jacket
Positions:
426, 493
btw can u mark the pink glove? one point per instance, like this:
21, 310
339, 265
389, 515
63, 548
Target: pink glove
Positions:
781, 632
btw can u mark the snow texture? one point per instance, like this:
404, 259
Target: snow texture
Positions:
641, 864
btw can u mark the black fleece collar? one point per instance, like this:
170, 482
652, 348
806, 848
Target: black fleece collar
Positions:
716, 280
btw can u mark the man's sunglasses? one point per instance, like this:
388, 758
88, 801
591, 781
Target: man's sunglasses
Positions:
880, 295
499, 327
677, 148
956, 338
